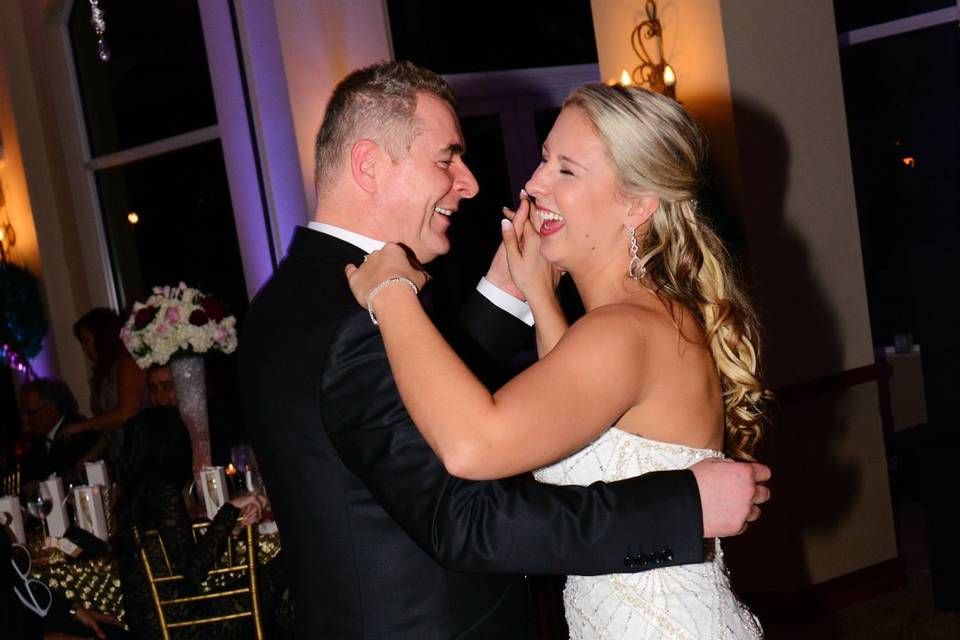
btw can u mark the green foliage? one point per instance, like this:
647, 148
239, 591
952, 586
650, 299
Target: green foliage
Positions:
23, 319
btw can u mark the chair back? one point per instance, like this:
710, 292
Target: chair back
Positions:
10, 483
162, 582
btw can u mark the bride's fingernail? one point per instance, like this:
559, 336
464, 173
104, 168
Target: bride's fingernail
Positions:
505, 224
523, 193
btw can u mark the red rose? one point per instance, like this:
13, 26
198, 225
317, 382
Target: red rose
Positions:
143, 317
198, 317
213, 308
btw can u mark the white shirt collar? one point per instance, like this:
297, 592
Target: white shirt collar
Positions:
368, 245
53, 432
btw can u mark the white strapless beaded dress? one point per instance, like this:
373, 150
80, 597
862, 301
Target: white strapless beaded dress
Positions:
692, 601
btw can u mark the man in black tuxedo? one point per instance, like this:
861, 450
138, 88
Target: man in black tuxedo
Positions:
380, 541
46, 405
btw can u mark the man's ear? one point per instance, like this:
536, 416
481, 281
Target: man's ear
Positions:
642, 208
365, 157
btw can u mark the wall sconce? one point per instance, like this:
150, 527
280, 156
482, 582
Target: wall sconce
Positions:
653, 73
8, 238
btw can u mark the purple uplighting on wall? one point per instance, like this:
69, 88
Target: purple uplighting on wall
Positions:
256, 132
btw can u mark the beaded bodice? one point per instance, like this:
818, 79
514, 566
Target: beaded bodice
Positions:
689, 601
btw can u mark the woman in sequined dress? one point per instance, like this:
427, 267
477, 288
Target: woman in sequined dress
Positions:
156, 471
660, 373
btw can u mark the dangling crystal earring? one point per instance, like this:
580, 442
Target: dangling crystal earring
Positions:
636, 269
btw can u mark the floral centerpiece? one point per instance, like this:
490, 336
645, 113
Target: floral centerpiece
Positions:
175, 322
176, 326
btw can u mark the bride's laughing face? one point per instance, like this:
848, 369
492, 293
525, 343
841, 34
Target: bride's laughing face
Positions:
580, 213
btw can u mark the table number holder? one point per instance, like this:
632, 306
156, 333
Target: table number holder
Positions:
11, 518
213, 488
57, 519
97, 473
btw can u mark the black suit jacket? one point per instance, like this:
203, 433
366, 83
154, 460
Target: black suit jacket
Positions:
380, 541
64, 454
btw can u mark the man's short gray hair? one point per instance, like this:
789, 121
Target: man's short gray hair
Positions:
377, 102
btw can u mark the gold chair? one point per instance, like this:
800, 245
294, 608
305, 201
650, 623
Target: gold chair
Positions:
10, 483
210, 591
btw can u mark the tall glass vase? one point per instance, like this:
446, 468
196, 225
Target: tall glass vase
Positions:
191, 385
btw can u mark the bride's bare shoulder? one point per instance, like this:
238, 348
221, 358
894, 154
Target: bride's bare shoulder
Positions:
621, 323
637, 322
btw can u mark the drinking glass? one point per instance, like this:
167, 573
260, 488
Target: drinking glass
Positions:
246, 464
39, 504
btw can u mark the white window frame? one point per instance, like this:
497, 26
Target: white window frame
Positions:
901, 25
255, 132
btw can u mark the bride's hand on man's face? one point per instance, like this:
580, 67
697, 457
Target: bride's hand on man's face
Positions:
393, 261
533, 275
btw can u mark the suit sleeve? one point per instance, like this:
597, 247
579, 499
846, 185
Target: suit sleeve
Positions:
507, 526
499, 335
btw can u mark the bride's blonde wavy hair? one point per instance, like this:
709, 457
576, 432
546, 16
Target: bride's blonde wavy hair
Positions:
656, 147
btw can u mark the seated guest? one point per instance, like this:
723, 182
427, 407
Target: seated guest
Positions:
46, 406
156, 468
161, 392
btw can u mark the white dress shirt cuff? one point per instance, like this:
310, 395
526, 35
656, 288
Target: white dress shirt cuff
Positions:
500, 298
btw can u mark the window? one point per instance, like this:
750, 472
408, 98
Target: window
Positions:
902, 96
855, 14
154, 151
462, 37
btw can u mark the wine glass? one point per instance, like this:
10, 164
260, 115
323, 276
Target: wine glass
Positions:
71, 479
39, 505
246, 464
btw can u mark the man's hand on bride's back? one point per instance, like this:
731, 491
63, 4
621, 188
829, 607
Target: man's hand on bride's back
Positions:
393, 261
730, 494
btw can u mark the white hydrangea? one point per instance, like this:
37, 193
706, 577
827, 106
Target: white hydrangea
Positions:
170, 333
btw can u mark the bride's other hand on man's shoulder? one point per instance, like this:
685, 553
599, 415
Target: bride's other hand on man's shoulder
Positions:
393, 261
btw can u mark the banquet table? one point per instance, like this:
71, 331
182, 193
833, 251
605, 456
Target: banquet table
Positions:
94, 583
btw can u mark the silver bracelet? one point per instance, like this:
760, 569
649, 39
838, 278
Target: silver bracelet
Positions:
387, 283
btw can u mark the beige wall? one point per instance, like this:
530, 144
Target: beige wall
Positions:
764, 78
38, 197
322, 42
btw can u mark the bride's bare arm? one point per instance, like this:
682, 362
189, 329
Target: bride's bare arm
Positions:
550, 410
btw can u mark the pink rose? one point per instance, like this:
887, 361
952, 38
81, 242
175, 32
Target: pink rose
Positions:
220, 335
172, 315
125, 333
163, 329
